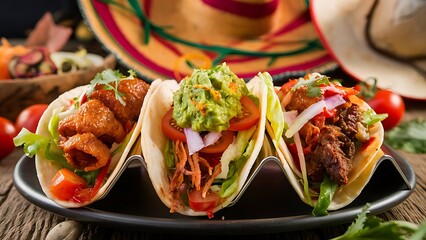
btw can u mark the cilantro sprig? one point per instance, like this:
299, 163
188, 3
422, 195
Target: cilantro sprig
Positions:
409, 136
110, 79
313, 83
371, 227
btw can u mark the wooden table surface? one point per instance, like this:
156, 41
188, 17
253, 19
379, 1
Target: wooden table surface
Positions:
21, 219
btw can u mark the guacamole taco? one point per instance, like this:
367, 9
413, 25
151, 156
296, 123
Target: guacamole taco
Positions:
84, 137
330, 141
201, 136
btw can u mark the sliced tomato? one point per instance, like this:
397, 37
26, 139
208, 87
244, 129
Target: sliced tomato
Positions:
249, 118
65, 184
170, 129
200, 204
221, 144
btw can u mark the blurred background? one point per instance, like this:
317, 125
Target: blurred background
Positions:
18, 17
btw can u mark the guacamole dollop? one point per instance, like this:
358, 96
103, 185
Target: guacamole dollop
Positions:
208, 99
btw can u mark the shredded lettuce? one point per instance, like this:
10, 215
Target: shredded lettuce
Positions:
327, 190
273, 109
230, 185
53, 125
37, 144
235, 150
370, 117
169, 154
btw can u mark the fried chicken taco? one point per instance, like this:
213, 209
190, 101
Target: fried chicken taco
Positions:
201, 136
330, 141
84, 136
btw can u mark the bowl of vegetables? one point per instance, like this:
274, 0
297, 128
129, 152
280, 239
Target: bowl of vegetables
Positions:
35, 75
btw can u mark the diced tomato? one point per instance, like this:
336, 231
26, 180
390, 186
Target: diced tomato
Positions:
293, 151
200, 204
348, 90
86, 194
170, 129
329, 113
332, 89
249, 118
286, 87
221, 144
65, 184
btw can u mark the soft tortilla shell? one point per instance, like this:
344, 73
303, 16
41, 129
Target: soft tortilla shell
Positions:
154, 141
47, 169
363, 165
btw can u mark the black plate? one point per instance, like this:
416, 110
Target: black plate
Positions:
269, 205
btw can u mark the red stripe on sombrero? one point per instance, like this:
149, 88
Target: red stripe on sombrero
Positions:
147, 7
104, 13
167, 45
244, 9
302, 19
107, 18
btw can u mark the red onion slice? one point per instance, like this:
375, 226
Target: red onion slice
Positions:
211, 138
329, 103
194, 140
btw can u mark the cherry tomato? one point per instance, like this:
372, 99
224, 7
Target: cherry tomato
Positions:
386, 101
29, 117
170, 129
7, 133
221, 144
65, 184
383, 101
250, 117
199, 204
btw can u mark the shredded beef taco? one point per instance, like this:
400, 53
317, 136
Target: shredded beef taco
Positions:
201, 136
329, 142
84, 136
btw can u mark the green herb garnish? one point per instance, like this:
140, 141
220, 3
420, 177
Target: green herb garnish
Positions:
370, 117
409, 136
110, 79
371, 227
313, 83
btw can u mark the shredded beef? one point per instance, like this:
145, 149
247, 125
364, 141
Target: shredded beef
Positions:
332, 154
346, 118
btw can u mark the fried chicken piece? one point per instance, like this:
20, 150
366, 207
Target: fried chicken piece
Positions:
85, 151
300, 100
94, 117
133, 91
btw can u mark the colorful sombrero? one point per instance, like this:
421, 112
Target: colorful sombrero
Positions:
165, 39
385, 40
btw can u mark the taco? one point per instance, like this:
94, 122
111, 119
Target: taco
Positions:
84, 137
201, 137
330, 141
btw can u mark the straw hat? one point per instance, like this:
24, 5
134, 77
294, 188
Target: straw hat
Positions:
157, 37
385, 40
